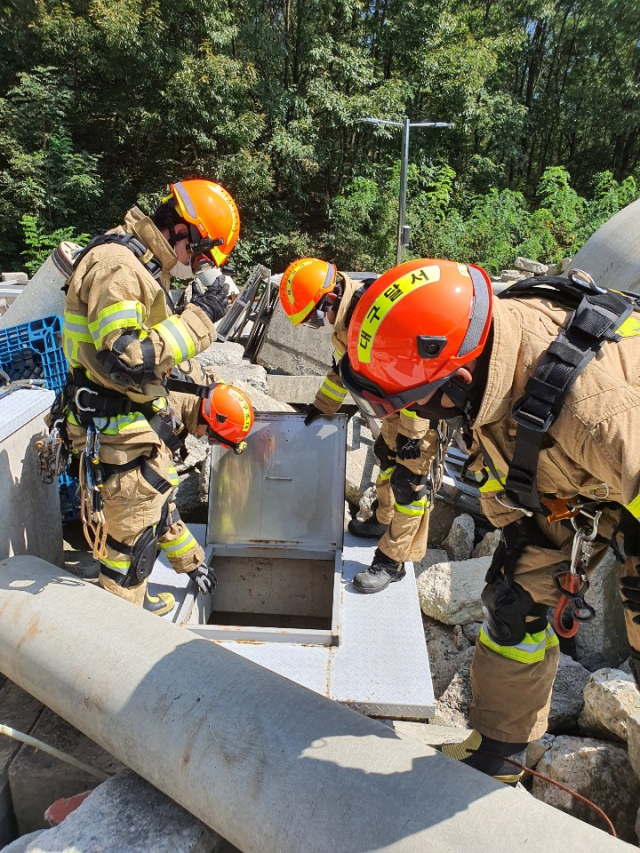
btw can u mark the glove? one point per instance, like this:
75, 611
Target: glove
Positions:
407, 448
214, 300
313, 412
383, 453
204, 578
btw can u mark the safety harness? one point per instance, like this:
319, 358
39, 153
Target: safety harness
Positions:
598, 315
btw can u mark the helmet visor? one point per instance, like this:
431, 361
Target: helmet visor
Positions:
374, 400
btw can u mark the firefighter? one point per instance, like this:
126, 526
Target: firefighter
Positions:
314, 293
124, 341
545, 381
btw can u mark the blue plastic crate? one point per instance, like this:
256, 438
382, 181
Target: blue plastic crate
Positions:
34, 351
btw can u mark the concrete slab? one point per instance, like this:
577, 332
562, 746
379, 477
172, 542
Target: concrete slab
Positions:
297, 389
296, 350
28, 507
20, 711
37, 779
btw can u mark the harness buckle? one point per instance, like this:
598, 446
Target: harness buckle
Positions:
559, 509
76, 399
508, 504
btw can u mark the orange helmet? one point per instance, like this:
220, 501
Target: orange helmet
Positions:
412, 329
303, 286
228, 414
213, 213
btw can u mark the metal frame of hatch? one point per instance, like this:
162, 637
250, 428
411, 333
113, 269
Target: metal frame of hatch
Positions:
269, 429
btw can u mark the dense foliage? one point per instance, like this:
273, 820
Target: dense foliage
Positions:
102, 102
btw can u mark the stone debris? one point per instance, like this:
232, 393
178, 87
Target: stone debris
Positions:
446, 653
633, 740
537, 748
598, 770
488, 544
129, 815
512, 275
567, 697
459, 541
452, 709
602, 642
450, 592
529, 266
610, 696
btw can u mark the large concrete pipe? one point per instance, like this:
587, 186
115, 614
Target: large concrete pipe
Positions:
270, 765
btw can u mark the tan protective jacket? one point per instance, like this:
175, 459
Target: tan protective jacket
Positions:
111, 292
332, 392
593, 447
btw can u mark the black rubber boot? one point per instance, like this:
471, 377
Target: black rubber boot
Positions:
159, 604
369, 529
379, 575
486, 755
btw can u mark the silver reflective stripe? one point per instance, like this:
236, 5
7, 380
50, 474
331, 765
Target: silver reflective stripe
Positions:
482, 302
185, 198
330, 274
113, 319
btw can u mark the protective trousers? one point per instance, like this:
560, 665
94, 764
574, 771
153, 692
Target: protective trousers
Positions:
401, 491
512, 684
135, 505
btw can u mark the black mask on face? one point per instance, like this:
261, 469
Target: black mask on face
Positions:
466, 399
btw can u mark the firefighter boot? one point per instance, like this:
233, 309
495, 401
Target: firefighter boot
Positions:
369, 529
379, 575
159, 604
487, 755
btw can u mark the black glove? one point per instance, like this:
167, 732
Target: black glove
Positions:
407, 448
313, 412
204, 578
214, 300
383, 453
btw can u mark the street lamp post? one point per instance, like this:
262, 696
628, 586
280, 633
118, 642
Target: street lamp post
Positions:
405, 124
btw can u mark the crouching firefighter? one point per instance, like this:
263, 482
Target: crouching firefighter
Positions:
545, 379
409, 449
126, 408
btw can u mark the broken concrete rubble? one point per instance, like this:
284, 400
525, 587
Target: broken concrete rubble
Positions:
452, 708
610, 697
567, 698
459, 541
128, 815
450, 592
599, 771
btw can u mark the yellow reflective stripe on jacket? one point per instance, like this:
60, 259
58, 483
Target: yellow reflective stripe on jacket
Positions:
333, 391
414, 508
121, 566
128, 314
385, 475
630, 328
491, 485
120, 423
408, 414
176, 335
177, 547
634, 507
173, 477
531, 650
76, 327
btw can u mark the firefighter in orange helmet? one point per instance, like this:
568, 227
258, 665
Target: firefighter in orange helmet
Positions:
127, 348
314, 293
544, 380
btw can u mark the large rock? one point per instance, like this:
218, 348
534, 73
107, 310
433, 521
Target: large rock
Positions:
603, 640
221, 354
633, 741
537, 748
452, 709
197, 451
511, 275
599, 771
567, 697
450, 592
440, 521
459, 541
446, 648
432, 557
532, 267
488, 544
128, 815
610, 696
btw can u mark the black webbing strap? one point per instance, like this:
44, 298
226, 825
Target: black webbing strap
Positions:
186, 386
594, 321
